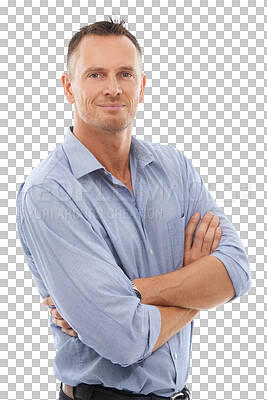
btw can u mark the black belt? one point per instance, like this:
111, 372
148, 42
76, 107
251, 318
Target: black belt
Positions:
85, 392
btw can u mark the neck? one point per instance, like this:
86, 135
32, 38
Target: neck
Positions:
111, 149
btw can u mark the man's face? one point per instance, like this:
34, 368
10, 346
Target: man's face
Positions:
107, 85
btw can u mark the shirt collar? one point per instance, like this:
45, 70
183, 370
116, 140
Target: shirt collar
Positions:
82, 161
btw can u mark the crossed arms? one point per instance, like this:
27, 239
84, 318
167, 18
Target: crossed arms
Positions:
202, 283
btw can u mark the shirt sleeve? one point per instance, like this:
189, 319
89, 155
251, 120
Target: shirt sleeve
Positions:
79, 272
230, 250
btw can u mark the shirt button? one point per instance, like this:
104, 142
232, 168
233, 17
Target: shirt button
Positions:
151, 251
175, 356
105, 172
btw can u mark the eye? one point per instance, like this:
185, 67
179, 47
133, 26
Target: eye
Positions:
127, 73
92, 75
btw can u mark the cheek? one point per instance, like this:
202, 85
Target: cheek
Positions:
85, 91
134, 95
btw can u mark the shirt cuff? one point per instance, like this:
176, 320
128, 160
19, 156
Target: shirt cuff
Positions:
241, 279
154, 329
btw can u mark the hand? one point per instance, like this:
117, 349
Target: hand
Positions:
57, 319
207, 237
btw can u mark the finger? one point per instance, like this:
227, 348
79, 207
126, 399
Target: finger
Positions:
209, 236
70, 332
47, 301
61, 323
189, 231
54, 312
217, 238
202, 230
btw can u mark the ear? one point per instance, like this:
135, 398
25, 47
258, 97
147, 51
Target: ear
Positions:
67, 85
143, 84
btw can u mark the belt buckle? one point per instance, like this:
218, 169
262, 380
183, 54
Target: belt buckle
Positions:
177, 395
182, 395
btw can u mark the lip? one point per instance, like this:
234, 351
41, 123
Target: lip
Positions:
112, 106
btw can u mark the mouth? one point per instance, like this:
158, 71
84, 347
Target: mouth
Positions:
110, 107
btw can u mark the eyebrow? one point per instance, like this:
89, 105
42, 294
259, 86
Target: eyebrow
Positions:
100, 69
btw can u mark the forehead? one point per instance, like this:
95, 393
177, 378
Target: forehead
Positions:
106, 51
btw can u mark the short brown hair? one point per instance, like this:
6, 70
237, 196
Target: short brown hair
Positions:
100, 28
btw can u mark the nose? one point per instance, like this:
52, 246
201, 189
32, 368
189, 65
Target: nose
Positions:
112, 87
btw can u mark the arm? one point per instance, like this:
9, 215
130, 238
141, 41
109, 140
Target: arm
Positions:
89, 289
173, 319
202, 284
210, 281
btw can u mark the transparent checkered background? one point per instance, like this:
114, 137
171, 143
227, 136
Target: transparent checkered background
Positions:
205, 65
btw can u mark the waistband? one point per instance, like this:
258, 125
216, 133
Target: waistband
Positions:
85, 392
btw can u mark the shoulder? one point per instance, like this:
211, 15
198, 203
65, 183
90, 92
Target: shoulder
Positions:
165, 154
46, 176
51, 168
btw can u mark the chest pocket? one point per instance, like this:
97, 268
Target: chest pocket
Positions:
176, 230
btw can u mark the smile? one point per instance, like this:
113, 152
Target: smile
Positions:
112, 108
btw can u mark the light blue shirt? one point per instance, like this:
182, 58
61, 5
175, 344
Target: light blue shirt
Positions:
85, 237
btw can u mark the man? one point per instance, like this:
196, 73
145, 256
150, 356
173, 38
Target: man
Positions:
102, 222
